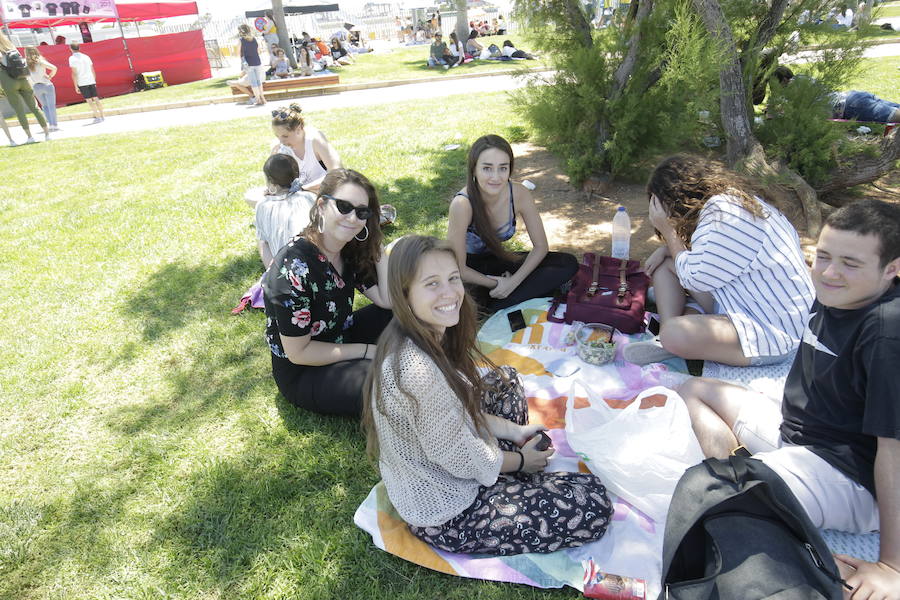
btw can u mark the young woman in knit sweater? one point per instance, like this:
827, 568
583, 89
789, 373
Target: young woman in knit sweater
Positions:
459, 460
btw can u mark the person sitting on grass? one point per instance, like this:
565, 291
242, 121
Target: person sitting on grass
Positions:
735, 256
307, 145
284, 210
340, 54
483, 215
281, 64
305, 60
458, 457
457, 51
322, 348
473, 47
439, 54
834, 437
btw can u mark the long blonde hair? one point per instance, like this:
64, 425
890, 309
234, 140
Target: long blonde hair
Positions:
455, 353
33, 57
5, 44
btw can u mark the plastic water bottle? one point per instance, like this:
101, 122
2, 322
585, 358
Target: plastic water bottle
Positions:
621, 234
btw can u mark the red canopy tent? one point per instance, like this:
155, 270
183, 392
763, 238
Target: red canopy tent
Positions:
128, 11
180, 56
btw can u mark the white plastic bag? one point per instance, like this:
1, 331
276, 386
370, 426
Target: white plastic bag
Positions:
639, 454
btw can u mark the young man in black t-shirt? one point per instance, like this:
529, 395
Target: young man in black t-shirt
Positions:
835, 436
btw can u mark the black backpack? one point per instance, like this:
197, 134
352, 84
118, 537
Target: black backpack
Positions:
15, 64
735, 531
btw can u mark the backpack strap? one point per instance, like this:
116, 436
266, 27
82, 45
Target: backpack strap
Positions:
733, 470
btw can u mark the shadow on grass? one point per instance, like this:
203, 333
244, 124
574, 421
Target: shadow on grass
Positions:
177, 294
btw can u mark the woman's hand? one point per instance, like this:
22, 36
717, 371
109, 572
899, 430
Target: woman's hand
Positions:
525, 433
535, 460
656, 259
505, 286
659, 218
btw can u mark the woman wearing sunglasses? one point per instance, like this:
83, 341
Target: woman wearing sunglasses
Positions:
307, 145
483, 215
321, 348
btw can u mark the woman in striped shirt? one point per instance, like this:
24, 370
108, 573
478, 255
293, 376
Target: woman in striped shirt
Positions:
731, 282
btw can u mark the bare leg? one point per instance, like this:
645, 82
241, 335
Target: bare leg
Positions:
99, 106
703, 337
714, 407
669, 293
258, 92
93, 105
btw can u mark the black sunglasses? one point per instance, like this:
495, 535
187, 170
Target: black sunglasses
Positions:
362, 212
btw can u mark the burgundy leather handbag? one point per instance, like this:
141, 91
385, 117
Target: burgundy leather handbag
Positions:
606, 290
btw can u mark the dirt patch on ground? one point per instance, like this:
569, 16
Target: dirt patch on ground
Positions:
577, 224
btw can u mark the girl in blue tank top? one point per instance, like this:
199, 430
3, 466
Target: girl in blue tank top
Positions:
483, 215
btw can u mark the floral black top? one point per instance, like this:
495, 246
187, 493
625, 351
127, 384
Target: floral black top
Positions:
305, 295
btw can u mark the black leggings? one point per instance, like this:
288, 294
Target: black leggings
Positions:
556, 269
334, 389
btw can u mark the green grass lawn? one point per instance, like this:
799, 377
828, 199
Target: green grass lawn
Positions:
144, 449
879, 76
405, 63
888, 9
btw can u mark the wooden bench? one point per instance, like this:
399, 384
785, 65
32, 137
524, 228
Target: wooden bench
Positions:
292, 83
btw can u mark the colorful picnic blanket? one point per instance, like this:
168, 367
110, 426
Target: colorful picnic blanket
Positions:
633, 543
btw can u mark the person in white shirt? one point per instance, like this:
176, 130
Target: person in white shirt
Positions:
735, 257
459, 460
85, 79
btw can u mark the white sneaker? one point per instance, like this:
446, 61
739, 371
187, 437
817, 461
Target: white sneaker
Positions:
446, 67
54, 128
644, 353
12, 144
31, 140
96, 120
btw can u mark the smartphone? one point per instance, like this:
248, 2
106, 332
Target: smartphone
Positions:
653, 325
544, 443
516, 320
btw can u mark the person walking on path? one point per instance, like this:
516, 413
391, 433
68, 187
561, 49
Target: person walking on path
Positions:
250, 55
40, 71
15, 84
85, 79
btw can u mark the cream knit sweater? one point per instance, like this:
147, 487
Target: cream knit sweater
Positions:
431, 457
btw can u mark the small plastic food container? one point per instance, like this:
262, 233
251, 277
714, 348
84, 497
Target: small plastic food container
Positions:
595, 343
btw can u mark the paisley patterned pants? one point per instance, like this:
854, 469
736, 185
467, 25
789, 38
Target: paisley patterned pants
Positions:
523, 512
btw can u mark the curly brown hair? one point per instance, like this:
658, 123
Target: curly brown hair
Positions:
684, 183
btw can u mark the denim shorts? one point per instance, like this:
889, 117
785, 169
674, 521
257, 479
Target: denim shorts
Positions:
865, 106
255, 75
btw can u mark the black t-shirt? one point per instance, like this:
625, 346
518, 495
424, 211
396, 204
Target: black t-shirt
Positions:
843, 390
305, 295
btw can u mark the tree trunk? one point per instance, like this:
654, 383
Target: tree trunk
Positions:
864, 169
743, 151
280, 23
462, 21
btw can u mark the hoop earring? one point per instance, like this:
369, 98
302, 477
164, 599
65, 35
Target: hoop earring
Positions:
320, 224
366, 227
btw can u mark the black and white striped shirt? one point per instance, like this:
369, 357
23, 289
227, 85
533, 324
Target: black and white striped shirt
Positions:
754, 268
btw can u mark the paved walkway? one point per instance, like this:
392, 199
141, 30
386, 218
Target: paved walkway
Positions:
208, 113
144, 121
